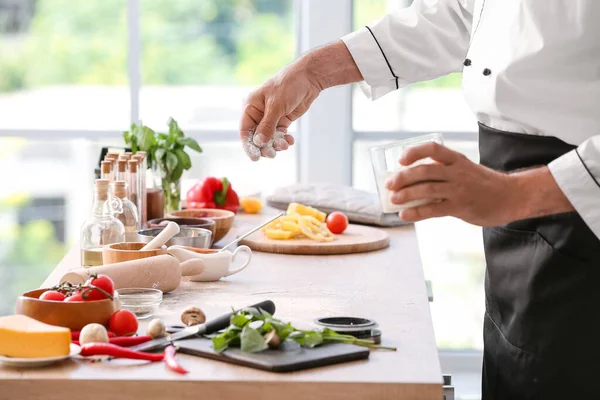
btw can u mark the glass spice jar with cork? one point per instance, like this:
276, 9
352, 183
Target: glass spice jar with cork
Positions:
102, 227
129, 216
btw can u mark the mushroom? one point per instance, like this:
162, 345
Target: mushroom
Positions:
93, 333
272, 338
192, 316
156, 329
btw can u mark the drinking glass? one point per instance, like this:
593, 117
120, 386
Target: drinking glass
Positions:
385, 160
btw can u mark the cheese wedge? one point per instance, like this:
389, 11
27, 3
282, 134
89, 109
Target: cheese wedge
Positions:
24, 337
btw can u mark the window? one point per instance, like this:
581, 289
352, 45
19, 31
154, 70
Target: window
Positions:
63, 65
436, 105
451, 250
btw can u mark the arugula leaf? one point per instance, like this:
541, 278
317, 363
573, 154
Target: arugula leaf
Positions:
252, 341
189, 142
184, 159
220, 343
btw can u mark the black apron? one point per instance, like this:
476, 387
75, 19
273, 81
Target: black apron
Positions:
542, 320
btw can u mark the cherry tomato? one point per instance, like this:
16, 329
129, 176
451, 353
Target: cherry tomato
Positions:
123, 323
52, 295
337, 222
102, 282
75, 297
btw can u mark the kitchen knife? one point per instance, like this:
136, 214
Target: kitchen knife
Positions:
211, 326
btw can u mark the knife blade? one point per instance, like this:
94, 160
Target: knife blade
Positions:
211, 326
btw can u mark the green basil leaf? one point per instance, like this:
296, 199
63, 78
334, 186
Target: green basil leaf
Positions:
127, 137
189, 142
171, 161
146, 139
159, 154
176, 175
252, 341
184, 159
174, 129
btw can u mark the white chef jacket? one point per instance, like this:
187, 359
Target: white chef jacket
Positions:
529, 66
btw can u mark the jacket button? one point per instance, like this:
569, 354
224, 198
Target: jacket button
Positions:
487, 71
467, 62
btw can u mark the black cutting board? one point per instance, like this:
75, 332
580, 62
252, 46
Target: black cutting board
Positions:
290, 358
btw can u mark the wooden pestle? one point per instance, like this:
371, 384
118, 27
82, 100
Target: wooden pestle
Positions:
163, 237
159, 272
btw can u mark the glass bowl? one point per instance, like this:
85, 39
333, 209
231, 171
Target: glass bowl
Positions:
143, 302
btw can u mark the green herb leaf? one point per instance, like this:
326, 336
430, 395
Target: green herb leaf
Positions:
312, 339
176, 175
240, 320
159, 154
220, 343
252, 341
171, 161
184, 159
146, 138
127, 137
189, 142
174, 129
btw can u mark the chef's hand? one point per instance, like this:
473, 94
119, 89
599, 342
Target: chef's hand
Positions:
472, 192
271, 108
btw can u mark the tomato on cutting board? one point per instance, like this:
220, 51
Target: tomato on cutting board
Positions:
337, 222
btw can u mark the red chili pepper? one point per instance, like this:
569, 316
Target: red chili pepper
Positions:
213, 193
75, 335
127, 341
171, 361
108, 349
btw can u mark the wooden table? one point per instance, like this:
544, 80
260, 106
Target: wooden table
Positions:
386, 285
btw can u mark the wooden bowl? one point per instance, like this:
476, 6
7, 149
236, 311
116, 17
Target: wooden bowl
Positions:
127, 251
191, 222
223, 219
72, 315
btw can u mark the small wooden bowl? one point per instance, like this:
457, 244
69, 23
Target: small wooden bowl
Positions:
191, 222
127, 251
72, 315
223, 219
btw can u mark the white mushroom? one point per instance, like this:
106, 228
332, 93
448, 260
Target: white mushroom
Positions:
156, 329
93, 333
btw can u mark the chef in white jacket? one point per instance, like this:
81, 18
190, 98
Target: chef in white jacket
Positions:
531, 75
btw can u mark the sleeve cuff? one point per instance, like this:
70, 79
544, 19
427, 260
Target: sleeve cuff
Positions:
579, 186
365, 50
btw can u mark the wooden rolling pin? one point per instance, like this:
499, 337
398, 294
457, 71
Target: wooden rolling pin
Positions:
159, 272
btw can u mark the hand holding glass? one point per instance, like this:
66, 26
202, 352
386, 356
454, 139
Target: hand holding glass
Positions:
386, 164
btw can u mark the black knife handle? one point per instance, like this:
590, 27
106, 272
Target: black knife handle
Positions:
222, 322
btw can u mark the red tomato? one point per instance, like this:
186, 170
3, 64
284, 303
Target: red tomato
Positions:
102, 282
337, 222
52, 295
75, 297
123, 323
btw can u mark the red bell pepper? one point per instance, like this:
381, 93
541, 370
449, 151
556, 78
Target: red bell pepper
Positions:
213, 193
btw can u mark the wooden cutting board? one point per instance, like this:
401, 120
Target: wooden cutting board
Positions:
356, 239
292, 359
